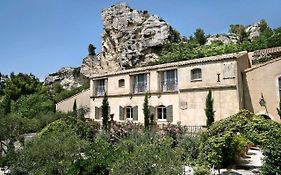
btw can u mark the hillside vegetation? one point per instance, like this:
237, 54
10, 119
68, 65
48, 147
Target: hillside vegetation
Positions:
196, 47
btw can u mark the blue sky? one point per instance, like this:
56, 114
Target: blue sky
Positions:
41, 36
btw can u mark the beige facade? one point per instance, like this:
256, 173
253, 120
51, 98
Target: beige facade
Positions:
177, 91
264, 80
82, 100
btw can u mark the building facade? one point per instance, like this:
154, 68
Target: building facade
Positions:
177, 91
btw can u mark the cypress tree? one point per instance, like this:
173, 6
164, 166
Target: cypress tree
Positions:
146, 112
209, 110
105, 108
74, 108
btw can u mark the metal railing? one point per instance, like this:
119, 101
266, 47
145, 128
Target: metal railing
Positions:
169, 85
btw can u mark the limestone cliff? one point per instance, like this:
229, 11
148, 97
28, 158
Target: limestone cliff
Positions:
67, 77
130, 39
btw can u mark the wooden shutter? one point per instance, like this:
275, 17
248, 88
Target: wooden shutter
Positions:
135, 113
121, 113
151, 110
108, 110
97, 116
169, 110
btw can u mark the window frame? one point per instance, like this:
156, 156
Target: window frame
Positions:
140, 86
121, 83
129, 112
161, 111
194, 75
168, 83
100, 87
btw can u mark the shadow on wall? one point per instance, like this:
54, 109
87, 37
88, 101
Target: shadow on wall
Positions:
247, 96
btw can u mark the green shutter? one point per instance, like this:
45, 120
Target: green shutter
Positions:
109, 111
135, 113
121, 113
169, 110
151, 110
97, 116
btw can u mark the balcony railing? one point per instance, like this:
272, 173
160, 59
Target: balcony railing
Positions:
100, 90
140, 87
169, 85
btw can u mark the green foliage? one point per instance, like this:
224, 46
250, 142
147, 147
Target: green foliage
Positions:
51, 153
225, 139
146, 111
91, 49
199, 36
153, 157
209, 110
194, 47
21, 84
105, 114
32, 106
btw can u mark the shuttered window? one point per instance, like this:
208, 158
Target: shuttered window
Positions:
165, 113
161, 112
128, 113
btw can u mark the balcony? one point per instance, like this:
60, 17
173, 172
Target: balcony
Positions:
100, 90
169, 85
140, 87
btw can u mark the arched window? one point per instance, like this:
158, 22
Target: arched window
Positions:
121, 83
196, 74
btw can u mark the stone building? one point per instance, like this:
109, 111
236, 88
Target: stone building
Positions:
177, 91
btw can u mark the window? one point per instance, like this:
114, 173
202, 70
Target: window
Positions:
161, 113
169, 81
100, 88
279, 82
140, 84
121, 83
196, 74
129, 112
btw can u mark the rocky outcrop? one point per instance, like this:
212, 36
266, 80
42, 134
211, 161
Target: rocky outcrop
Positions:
254, 30
130, 39
68, 77
224, 38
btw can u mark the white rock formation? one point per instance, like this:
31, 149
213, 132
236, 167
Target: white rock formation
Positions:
130, 38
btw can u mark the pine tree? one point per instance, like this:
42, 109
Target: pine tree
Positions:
105, 108
209, 111
146, 112
200, 36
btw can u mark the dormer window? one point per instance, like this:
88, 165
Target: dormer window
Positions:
196, 74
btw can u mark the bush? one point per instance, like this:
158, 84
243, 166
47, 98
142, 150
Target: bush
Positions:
32, 106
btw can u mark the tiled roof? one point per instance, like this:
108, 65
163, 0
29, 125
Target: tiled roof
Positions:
266, 51
176, 64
